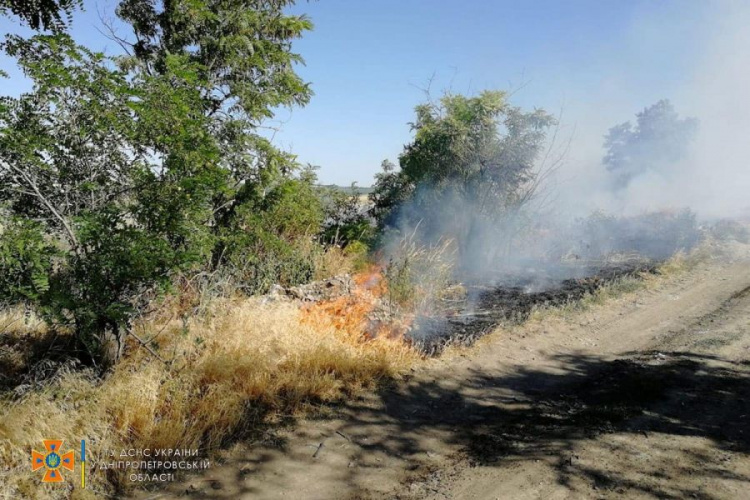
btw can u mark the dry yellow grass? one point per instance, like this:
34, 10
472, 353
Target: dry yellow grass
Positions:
230, 372
334, 261
16, 321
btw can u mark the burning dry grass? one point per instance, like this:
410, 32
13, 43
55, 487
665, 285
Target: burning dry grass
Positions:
228, 374
350, 313
363, 314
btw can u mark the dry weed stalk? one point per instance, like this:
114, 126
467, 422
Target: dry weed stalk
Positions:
418, 274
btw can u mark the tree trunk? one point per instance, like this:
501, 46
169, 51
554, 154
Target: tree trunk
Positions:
111, 346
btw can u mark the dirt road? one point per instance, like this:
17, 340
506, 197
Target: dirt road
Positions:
646, 396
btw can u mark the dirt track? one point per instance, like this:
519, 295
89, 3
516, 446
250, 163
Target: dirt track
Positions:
647, 396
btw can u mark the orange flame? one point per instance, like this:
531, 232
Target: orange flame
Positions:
352, 313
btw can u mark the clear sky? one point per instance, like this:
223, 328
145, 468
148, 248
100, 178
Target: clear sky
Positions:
369, 62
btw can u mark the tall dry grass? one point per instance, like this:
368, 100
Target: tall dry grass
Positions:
417, 275
235, 370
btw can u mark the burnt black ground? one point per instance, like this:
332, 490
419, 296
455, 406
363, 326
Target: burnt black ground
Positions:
512, 299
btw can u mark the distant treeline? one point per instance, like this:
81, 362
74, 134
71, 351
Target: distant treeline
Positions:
354, 189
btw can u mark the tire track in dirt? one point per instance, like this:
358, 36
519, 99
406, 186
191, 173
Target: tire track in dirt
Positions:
668, 420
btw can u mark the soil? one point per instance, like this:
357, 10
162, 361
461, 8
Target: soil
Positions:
645, 396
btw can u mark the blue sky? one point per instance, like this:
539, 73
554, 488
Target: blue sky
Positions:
598, 61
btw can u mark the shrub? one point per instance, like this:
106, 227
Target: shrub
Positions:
70, 176
25, 262
124, 173
472, 166
657, 235
269, 238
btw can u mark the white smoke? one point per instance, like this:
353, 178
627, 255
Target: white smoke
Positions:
714, 180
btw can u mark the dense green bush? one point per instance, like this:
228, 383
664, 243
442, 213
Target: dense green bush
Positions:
118, 174
473, 164
270, 238
71, 172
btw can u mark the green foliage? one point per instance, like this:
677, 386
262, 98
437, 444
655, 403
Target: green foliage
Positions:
659, 140
269, 240
74, 168
25, 262
236, 57
122, 260
117, 174
473, 148
470, 167
42, 14
359, 253
391, 190
292, 209
64, 145
227, 65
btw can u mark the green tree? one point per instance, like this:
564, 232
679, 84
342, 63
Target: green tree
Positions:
241, 65
42, 14
25, 261
116, 174
271, 237
236, 58
345, 218
70, 173
659, 139
472, 162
